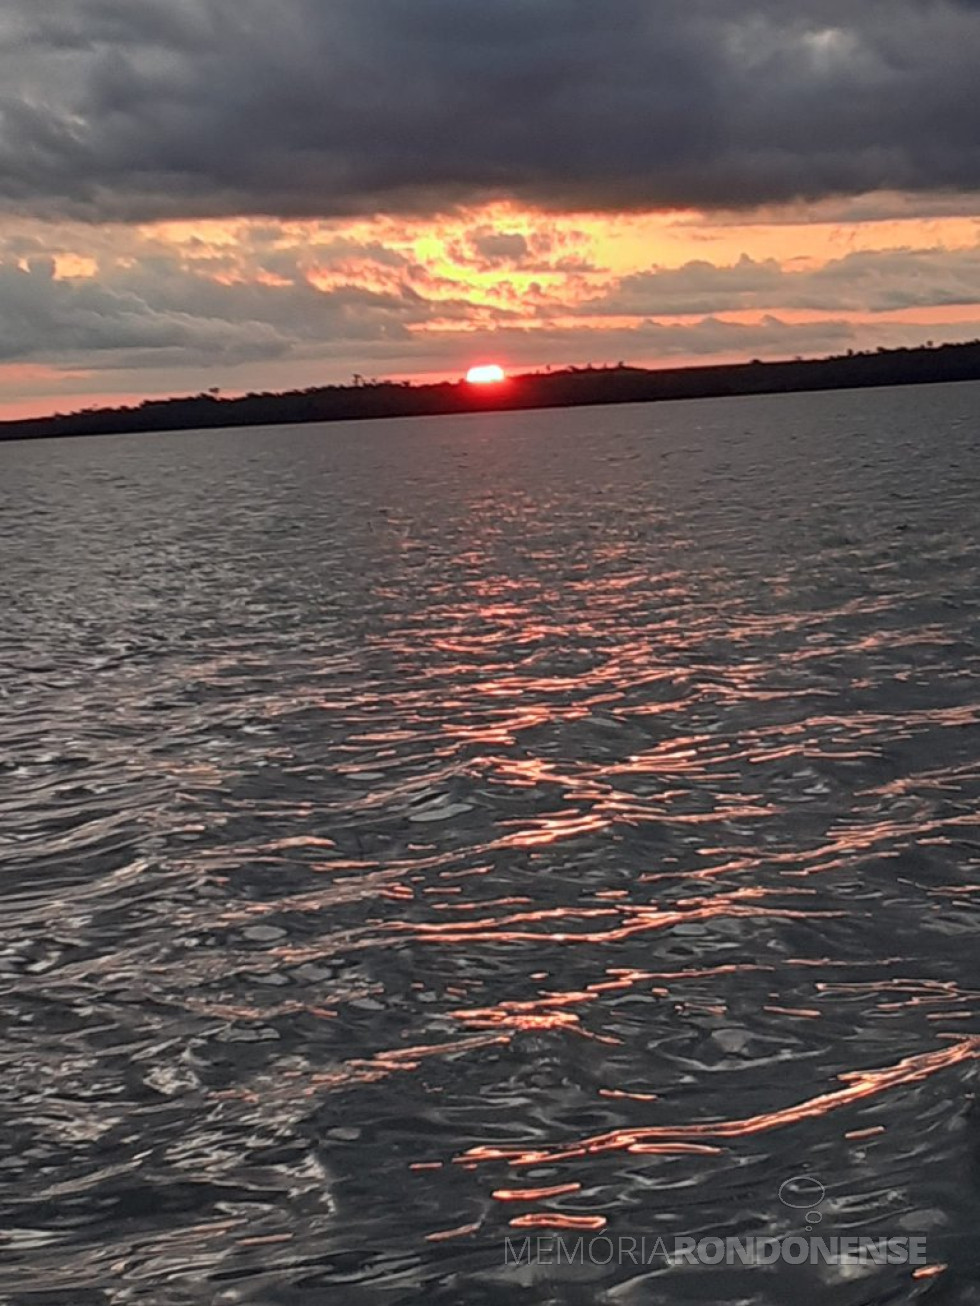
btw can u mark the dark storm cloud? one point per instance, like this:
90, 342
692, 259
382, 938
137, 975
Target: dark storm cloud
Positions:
137, 109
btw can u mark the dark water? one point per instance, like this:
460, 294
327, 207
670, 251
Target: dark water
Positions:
399, 817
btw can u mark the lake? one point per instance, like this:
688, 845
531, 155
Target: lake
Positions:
432, 845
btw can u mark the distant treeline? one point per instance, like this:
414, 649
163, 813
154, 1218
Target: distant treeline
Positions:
553, 389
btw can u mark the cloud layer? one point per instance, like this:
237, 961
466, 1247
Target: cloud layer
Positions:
141, 109
261, 294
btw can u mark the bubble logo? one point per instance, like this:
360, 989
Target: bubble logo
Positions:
804, 1193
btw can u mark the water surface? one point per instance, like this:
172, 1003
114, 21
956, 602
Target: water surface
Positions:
416, 827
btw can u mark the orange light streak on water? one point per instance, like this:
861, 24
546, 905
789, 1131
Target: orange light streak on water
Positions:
860, 1084
534, 1194
547, 1220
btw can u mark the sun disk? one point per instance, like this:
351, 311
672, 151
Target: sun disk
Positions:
488, 374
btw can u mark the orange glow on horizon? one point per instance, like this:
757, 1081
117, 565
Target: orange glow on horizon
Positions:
544, 289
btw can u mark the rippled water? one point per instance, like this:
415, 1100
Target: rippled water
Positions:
420, 833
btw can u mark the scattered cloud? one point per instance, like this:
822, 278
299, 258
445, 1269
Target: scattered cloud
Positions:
863, 282
153, 312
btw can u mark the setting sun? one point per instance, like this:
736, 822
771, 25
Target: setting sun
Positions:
489, 374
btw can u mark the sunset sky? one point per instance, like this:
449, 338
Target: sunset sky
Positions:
248, 195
